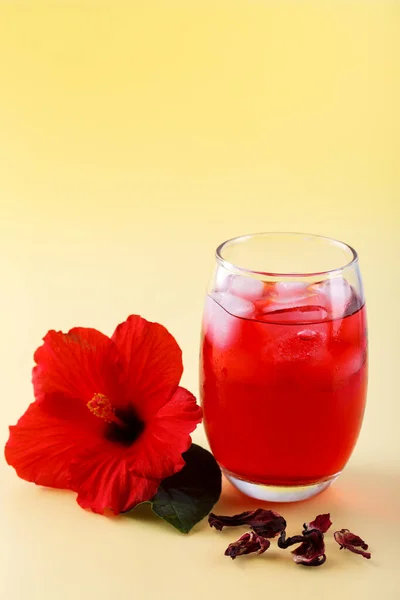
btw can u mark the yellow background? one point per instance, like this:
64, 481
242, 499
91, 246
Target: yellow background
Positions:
133, 139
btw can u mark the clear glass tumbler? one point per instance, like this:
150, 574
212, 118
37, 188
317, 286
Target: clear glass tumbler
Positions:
283, 365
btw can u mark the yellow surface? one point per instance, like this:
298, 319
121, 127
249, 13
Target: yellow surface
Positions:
133, 139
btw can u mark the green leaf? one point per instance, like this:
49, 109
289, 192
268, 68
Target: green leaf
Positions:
187, 497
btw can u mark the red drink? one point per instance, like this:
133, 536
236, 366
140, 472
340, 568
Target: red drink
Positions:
283, 378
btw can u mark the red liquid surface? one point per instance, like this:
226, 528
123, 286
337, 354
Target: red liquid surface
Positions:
283, 401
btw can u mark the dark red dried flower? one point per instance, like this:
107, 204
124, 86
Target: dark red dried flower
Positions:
311, 551
321, 522
284, 542
352, 542
265, 523
247, 544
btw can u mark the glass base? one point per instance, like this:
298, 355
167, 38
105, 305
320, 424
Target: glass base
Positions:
273, 493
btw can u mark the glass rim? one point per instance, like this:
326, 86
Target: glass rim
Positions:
232, 266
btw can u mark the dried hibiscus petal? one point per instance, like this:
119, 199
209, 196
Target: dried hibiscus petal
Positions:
321, 522
284, 542
247, 544
311, 551
352, 542
265, 523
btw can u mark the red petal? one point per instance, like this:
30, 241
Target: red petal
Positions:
78, 364
153, 363
42, 446
171, 428
247, 544
321, 522
103, 480
117, 478
351, 541
311, 551
265, 523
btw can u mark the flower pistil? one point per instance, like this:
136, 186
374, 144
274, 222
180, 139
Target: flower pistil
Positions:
101, 407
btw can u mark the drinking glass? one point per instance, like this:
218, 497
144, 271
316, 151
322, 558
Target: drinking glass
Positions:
283, 362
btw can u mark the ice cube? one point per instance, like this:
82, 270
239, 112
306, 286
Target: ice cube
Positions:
306, 308
349, 363
239, 307
286, 291
291, 347
220, 321
307, 335
222, 280
338, 294
296, 313
246, 287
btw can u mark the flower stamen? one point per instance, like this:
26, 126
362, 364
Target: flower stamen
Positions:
101, 407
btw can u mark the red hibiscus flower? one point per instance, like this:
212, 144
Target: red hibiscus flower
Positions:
109, 420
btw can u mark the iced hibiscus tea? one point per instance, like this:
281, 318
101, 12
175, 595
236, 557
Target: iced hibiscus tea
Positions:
283, 377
